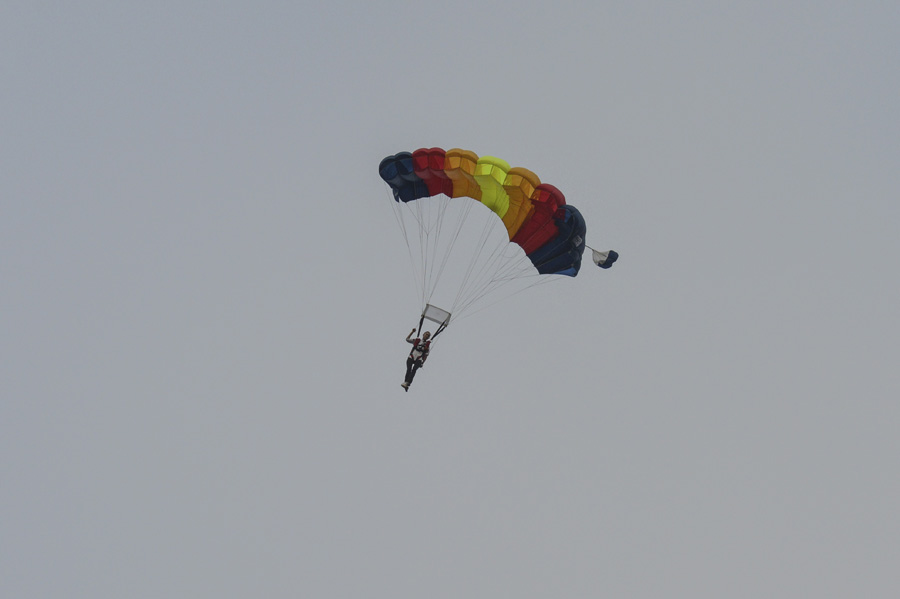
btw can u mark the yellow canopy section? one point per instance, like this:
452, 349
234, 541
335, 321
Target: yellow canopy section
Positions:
460, 168
519, 185
506, 191
490, 173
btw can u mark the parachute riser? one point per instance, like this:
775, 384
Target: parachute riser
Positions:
439, 330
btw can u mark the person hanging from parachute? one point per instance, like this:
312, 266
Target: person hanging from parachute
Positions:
421, 347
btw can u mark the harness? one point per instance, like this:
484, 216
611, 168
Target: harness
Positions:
422, 347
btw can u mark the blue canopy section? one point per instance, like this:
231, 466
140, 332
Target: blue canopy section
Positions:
562, 254
398, 172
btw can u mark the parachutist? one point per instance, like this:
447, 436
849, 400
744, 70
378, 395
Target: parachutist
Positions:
417, 356
516, 209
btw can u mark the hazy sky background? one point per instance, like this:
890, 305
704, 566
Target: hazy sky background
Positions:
204, 297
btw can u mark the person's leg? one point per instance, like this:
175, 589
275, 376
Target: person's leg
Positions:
410, 370
411, 367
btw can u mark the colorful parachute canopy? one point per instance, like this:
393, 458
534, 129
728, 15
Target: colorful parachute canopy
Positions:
535, 214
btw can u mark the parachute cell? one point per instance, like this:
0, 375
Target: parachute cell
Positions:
520, 184
541, 227
460, 168
490, 173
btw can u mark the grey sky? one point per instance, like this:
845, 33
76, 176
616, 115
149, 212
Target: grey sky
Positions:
204, 297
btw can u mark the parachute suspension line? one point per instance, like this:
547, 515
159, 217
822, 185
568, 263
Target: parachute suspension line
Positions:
462, 209
493, 277
418, 266
438, 251
473, 261
438, 234
490, 266
499, 266
516, 269
430, 213
416, 257
492, 283
539, 280
483, 277
493, 288
397, 209
510, 268
424, 234
495, 264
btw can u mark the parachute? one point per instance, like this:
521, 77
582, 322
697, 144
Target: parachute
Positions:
528, 231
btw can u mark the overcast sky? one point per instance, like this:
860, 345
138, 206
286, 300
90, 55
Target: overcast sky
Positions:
204, 295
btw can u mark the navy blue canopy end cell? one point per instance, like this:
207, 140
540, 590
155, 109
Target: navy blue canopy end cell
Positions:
562, 254
398, 172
